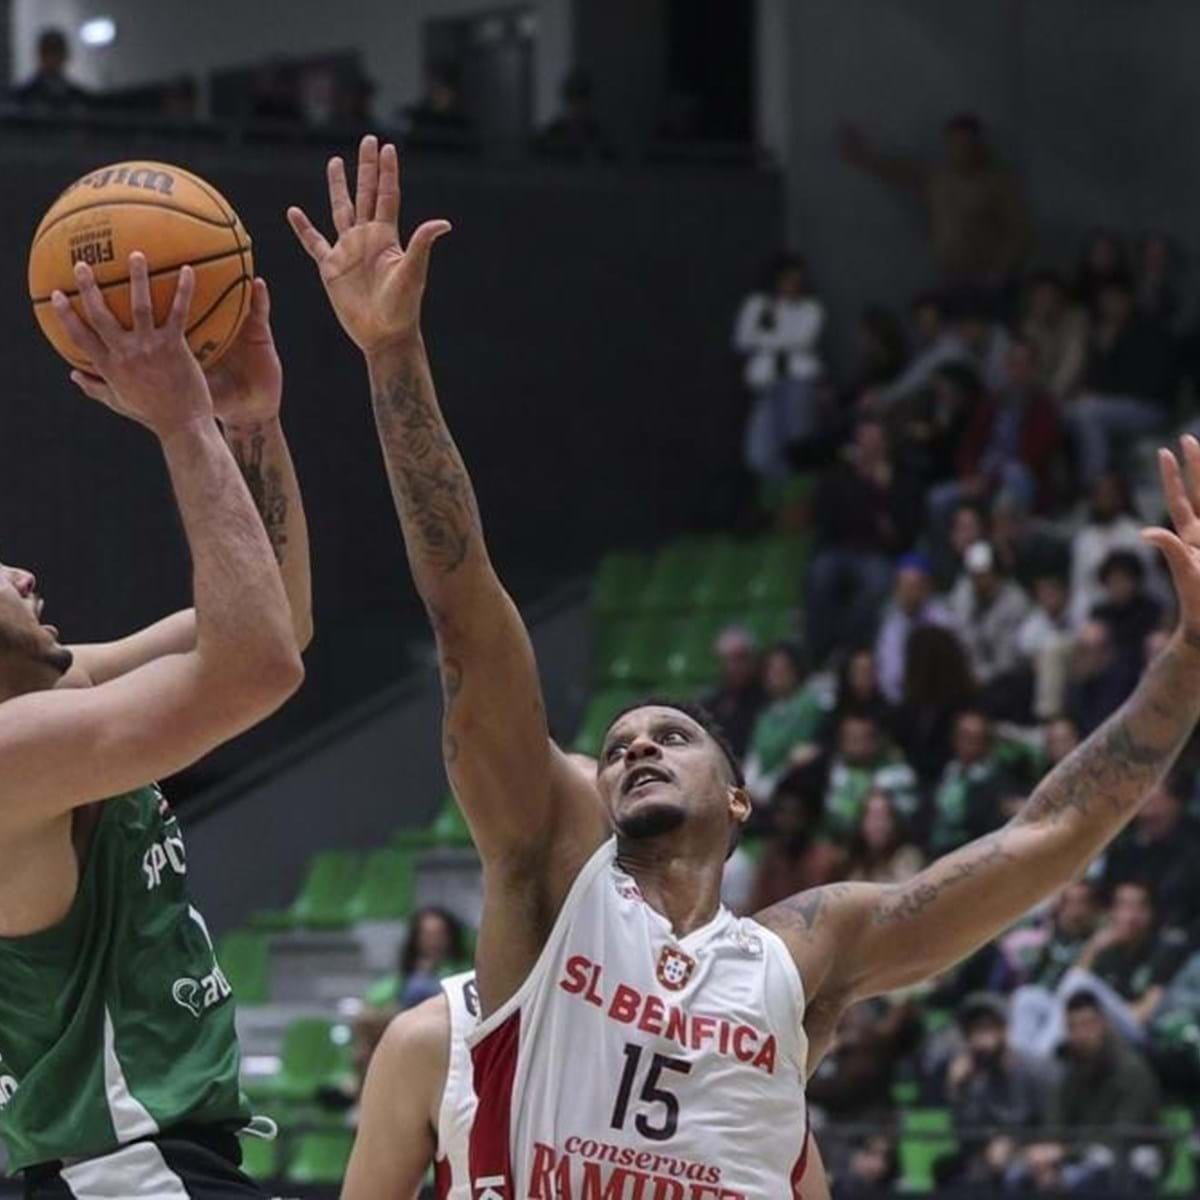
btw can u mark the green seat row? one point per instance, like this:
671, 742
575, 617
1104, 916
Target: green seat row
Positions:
678, 653
716, 574
341, 887
319, 1158
315, 1054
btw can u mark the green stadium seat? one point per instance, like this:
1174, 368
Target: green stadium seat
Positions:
320, 1159
244, 956
1180, 1179
597, 717
778, 580
926, 1135
691, 659
677, 570
260, 1158
385, 892
770, 625
323, 902
630, 653
722, 583
315, 1054
450, 826
619, 583
412, 838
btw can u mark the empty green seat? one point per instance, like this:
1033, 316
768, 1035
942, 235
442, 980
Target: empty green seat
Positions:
677, 569
691, 658
619, 583
321, 1158
385, 892
630, 653
722, 583
450, 826
597, 717
926, 1135
769, 625
1180, 1179
315, 1054
260, 1158
778, 580
244, 957
324, 900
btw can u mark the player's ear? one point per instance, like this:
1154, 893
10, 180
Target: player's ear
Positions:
740, 804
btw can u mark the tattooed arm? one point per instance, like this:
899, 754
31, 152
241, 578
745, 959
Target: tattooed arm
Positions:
852, 941
246, 387
533, 816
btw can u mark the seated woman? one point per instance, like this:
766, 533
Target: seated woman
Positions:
880, 851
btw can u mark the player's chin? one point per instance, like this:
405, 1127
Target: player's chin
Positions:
649, 818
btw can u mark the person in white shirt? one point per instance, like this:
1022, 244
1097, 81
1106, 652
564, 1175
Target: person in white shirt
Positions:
777, 332
987, 610
1110, 526
1045, 640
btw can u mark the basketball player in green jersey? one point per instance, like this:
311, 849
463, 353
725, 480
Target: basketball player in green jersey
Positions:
118, 1057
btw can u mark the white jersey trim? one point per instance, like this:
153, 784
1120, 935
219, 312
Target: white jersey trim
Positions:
459, 1069
603, 857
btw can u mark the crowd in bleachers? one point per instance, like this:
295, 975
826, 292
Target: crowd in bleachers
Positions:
978, 600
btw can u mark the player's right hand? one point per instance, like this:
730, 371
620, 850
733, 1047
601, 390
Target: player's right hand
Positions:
374, 285
151, 373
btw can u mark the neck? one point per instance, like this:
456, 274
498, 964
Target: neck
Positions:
684, 889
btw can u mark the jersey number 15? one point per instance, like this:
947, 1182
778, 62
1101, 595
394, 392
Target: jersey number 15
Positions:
652, 1093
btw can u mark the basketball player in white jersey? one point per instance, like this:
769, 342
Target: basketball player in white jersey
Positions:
637, 1040
419, 1101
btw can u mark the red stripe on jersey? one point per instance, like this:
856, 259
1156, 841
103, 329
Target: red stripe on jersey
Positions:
495, 1066
802, 1162
441, 1178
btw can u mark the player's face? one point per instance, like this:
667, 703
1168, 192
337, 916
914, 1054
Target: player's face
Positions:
31, 657
660, 770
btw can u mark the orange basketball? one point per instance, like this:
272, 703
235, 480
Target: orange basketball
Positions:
174, 218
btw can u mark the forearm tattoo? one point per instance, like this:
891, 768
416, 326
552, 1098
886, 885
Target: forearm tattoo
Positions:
429, 483
265, 483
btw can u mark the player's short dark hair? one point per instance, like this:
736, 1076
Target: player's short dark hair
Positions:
1083, 1000
702, 717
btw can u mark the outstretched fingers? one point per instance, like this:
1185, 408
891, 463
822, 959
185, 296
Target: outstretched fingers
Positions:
387, 204
339, 196
367, 183
309, 235
1178, 504
182, 303
421, 242
82, 338
99, 315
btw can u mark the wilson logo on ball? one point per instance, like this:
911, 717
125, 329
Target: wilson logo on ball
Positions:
130, 175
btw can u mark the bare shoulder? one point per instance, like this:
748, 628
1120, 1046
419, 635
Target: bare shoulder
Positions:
418, 1037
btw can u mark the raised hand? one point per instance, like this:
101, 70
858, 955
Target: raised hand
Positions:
246, 385
374, 285
151, 374
1181, 548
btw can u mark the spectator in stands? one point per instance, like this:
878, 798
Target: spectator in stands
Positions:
864, 762
880, 350
1105, 257
1105, 1085
1057, 328
978, 220
1059, 737
988, 1085
435, 946
986, 341
791, 719
1161, 850
1111, 525
937, 687
970, 523
795, 856
1076, 915
912, 605
1128, 610
880, 850
1025, 546
867, 511
974, 786
575, 135
739, 698
1157, 284
1128, 383
50, 89
777, 332
1129, 960
988, 610
857, 691
437, 121
1045, 640
1099, 681
853, 1083
1009, 446
938, 422
872, 1170
936, 345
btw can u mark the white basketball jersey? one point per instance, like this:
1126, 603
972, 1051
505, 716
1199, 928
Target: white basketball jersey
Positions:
452, 1175
635, 1065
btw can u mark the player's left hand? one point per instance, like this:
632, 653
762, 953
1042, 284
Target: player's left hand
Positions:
246, 385
1181, 548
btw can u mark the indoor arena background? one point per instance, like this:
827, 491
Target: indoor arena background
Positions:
677, 503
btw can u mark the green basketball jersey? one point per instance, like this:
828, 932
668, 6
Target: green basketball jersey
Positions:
117, 1022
